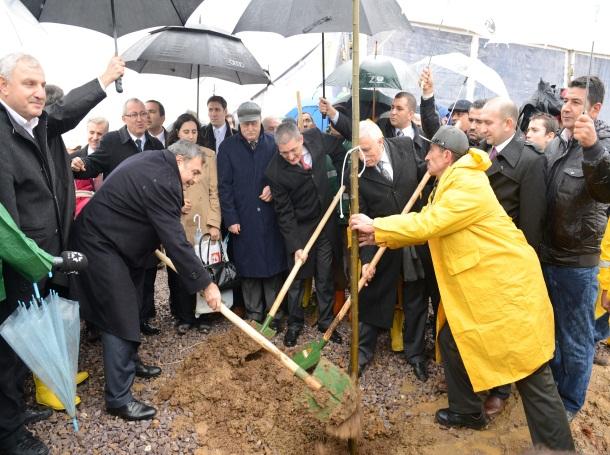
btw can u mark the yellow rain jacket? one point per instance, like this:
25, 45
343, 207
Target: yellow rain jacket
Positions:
492, 290
604, 273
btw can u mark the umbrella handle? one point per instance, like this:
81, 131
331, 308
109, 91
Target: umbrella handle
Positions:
118, 85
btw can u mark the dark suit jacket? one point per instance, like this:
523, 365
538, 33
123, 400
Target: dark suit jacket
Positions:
300, 197
380, 197
517, 177
115, 147
135, 210
206, 136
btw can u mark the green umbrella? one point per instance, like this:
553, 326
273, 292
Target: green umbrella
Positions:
20, 252
376, 72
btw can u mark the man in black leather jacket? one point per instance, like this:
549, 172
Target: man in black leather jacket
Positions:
578, 193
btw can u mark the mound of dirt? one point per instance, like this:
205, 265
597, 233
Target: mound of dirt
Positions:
241, 400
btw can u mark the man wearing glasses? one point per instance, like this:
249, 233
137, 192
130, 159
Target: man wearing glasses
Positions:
117, 146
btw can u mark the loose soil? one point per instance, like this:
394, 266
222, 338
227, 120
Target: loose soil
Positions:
215, 397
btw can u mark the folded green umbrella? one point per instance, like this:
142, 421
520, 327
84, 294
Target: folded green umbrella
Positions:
20, 252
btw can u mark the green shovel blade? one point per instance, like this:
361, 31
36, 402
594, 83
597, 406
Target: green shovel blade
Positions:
264, 328
335, 382
309, 356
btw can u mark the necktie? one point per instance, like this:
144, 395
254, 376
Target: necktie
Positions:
383, 171
399, 133
253, 144
493, 153
303, 164
139, 144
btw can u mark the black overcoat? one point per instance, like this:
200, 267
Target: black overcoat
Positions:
137, 208
380, 197
301, 197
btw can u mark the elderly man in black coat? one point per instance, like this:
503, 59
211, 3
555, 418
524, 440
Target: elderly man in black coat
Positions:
33, 190
137, 208
301, 194
392, 173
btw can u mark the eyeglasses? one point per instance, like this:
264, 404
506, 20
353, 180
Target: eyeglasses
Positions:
135, 115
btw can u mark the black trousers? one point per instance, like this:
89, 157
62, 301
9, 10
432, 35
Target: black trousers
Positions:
367, 342
12, 376
147, 309
325, 289
181, 303
259, 294
544, 411
415, 309
120, 359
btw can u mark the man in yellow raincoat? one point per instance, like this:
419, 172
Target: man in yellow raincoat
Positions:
495, 323
602, 307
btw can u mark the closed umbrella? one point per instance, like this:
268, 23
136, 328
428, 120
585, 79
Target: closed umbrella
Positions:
192, 52
294, 17
114, 18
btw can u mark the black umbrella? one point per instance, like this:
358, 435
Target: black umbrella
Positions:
194, 51
293, 17
114, 18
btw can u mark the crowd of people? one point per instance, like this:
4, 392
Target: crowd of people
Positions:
500, 253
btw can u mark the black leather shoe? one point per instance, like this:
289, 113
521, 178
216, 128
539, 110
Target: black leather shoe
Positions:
276, 325
148, 329
133, 411
290, 339
33, 414
335, 337
147, 371
421, 370
183, 328
447, 418
22, 442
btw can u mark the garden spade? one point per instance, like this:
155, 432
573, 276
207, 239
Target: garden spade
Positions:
264, 327
309, 356
326, 377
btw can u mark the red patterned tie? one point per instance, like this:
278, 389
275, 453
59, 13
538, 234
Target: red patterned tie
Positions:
304, 165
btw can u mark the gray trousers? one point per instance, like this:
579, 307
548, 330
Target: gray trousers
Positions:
546, 416
323, 276
120, 359
259, 294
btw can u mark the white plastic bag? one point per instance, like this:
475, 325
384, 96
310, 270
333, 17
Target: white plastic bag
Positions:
204, 249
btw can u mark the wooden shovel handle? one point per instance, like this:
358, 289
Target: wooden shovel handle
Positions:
311, 382
298, 263
167, 261
362, 281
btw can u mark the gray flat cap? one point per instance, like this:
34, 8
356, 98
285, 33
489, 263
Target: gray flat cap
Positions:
451, 138
248, 112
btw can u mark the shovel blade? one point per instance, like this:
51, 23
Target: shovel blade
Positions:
334, 381
264, 328
309, 356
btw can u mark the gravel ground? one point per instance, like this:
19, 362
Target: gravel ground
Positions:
398, 408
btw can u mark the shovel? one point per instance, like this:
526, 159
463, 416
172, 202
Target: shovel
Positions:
309, 356
264, 328
326, 375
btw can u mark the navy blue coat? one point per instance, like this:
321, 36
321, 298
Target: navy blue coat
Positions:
258, 251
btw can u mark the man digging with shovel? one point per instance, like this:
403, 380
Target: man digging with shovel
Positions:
473, 242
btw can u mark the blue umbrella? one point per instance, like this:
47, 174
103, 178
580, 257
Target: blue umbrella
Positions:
46, 334
311, 107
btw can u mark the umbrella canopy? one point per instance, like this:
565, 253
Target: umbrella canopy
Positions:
311, 107
46, 335
293, 17
195, 51
376, 72
131, 15
469, 67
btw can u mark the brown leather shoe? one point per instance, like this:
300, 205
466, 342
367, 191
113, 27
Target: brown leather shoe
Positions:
494, 405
